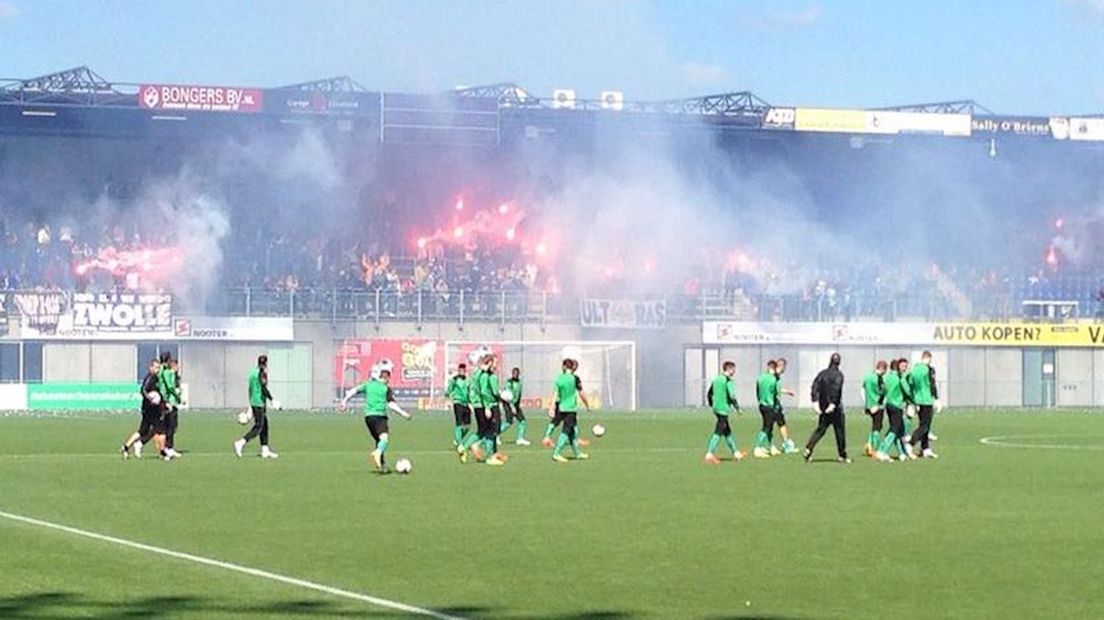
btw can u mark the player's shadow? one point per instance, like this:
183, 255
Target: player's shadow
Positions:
67, 604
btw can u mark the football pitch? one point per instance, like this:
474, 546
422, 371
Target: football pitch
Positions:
1007, 523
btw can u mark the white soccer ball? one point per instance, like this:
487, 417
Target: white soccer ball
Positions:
245, 416
403, 466
506, 395
386, 364
598, 430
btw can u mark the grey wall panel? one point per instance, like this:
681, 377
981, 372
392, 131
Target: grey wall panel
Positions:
965, 377
1004, 377
1075, 377
66, 362
114, 362
203, 367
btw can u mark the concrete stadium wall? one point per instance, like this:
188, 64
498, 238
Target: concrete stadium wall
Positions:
673, 367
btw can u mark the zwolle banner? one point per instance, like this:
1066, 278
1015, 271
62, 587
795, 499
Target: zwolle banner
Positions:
200, 98
415, 362
234, 329
94, 316
84, 396
1014, 334
622, 314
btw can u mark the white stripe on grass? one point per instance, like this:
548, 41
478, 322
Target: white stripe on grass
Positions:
237, 568
1017, 441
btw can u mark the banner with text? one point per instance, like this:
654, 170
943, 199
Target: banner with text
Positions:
623, 314
415, 360
84, 396
234, 329
1016, 334
94, 316
200, 98
1028, 126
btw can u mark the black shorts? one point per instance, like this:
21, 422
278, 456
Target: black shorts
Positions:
377, 425
258, 412
570, 419
513, 411
496, 419
779, 417
722, 426
462, 414
152, 422
876, 418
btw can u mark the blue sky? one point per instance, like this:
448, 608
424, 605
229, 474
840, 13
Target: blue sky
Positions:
1014, 56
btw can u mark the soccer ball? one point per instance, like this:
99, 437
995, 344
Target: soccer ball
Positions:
245, 416
598, 430
403, 466
506, 395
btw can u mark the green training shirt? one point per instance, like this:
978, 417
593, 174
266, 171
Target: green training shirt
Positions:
514, 385
896, 390
567, 394
766, 389
458, 390
376, 397
474, 390
166, 384
256, 388
722, 394
873, 390
489, 389
919, 380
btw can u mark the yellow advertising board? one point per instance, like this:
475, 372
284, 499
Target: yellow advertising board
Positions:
1019, 334
829, 120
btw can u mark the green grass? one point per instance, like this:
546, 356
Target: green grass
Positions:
644, 529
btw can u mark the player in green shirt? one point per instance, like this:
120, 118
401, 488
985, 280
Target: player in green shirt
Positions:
721, 397
513, 407
874, 392
557, 418
474, 439
897, 396
921, 380
378, 401
766, 392
492, 400
566, 396
458, 391
259, 398
788, 445
168, 384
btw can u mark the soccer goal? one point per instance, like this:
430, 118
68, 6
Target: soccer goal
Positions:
607, 369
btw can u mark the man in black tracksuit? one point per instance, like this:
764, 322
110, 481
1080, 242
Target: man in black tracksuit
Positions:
827, 400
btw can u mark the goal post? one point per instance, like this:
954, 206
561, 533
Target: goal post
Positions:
607, 368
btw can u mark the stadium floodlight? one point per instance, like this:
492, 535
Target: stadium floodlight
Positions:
563, 98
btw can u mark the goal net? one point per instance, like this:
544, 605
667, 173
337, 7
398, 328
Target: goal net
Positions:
607, 369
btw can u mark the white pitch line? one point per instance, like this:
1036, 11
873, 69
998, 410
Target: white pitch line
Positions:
1008, 441
237, 568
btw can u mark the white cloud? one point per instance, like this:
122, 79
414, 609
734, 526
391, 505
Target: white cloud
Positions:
1091, 8
807, 16
700, 73
7, 9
